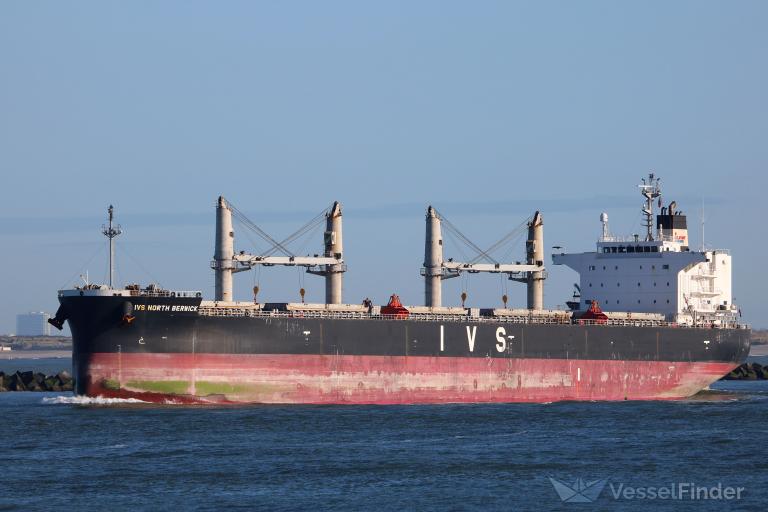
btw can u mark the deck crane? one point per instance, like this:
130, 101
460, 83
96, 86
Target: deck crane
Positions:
436, 268
226, 262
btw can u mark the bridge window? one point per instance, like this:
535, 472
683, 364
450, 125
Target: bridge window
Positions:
654, 249
613, 250
630, 249
665, 267
646, 249
622, 249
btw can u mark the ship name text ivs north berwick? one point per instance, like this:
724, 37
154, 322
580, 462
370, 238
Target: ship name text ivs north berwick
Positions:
654, 320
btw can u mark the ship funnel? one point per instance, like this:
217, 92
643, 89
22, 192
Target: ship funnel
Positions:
333, 249
224, 251
433, 260
534, 249
673, 225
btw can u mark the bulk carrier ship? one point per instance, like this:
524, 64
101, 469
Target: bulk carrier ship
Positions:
669, 328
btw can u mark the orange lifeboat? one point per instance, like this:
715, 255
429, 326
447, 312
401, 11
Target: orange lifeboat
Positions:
594, 314
394, 308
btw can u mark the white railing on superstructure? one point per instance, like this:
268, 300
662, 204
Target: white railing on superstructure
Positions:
632, 239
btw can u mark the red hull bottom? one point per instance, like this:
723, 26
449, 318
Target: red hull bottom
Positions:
315, 379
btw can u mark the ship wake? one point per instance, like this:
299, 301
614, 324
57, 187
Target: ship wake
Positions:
90, 400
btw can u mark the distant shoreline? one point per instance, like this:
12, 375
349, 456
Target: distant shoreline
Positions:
35, 354
36, 343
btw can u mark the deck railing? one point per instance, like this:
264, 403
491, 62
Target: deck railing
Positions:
427, 317
164, 293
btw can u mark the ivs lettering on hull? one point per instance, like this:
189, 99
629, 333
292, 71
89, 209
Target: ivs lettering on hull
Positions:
165, 307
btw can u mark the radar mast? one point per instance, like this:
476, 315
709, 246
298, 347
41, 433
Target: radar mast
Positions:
650, 189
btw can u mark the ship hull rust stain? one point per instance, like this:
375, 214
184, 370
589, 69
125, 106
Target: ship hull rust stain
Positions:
313, 379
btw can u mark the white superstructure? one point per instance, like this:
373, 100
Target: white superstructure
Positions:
656, 274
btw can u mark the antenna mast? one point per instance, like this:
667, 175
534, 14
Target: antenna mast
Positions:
111, 232
650, 190
702, 225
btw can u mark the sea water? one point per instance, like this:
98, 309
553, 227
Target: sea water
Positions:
58, 450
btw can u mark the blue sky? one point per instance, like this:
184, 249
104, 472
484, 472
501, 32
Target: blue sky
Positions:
488, 110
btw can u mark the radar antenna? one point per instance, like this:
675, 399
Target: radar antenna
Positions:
111, 231
650, 189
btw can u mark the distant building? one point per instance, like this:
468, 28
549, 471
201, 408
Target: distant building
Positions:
33, 324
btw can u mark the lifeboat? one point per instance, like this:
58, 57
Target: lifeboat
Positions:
594, 314
394, 308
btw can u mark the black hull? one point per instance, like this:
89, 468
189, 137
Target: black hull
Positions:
97, 329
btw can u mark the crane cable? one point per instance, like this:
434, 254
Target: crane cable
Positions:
306, 228
483, 254
256, 229
455, 231
514, 234
276, 246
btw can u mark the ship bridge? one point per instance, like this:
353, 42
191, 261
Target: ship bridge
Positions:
657, 273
